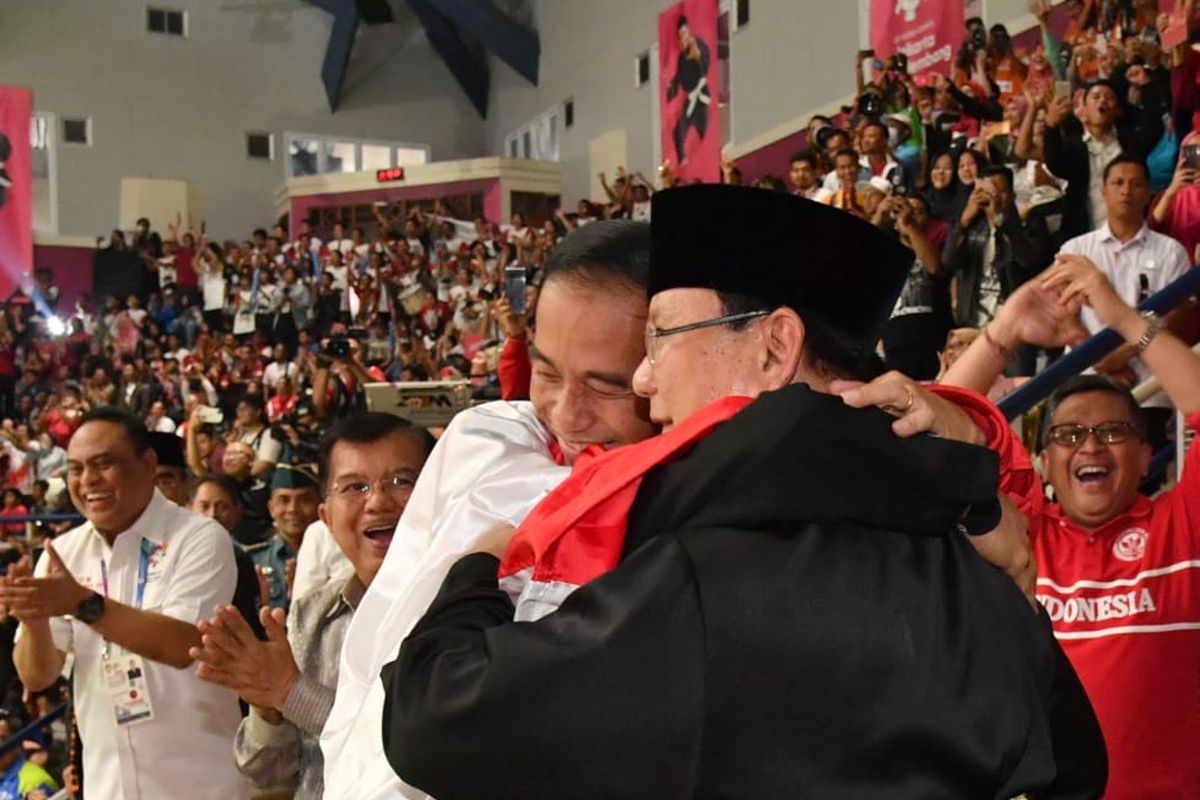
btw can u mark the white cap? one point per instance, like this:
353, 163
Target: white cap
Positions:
880, 183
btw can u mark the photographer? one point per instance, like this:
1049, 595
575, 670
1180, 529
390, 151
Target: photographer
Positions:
201, 438
300, 433
970, 64
990, 251
248, 428
337, 386
1177, 210
196, 387
291, 307
513, 367
1004, 68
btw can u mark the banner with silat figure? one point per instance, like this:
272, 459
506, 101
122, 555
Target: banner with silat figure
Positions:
688, 86
16, 193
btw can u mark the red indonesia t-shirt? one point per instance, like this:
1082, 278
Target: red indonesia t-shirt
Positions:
1125, 604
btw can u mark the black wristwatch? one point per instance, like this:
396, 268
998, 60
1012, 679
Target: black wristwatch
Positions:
90, 610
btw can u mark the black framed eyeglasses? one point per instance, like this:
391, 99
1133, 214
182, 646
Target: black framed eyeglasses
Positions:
654, 334
1074, 435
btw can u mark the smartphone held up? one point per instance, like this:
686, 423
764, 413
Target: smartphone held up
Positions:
514, 289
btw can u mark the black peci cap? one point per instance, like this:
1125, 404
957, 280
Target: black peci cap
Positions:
780, 248
169, 449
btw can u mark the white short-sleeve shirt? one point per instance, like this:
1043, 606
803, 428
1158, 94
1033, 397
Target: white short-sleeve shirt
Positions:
266, 447
186, 750
214, 287
1145, 264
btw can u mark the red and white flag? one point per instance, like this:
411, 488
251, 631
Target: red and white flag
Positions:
577, 533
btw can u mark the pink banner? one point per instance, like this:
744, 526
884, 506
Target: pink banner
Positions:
688, 86
928, 32
16, 195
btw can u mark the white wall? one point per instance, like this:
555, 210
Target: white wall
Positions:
794, 55
173, 108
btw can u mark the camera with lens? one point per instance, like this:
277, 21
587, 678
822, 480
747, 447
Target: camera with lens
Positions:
339, 343
822, 136
870, 104
898, 63
338, 346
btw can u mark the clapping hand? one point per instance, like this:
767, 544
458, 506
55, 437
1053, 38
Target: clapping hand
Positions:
1078, 281
1037, 314
230, 655
29, 599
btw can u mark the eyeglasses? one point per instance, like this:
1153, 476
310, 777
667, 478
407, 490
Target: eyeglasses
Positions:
398, 486
654, 334
1072, 435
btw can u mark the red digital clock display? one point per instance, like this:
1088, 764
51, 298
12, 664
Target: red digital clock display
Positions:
391, 174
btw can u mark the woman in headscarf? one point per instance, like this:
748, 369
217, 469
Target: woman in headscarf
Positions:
969, 165
941, 185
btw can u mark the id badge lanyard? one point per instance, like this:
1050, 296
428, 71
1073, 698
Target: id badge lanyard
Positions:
140, 591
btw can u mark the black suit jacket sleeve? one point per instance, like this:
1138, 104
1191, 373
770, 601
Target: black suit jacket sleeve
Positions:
603, 698
1061, 158
1143, 126
1030, 246
1079, 749
988, 110
954, 251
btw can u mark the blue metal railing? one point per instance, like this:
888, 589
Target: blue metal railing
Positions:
38, 724
1042, 385
41, 518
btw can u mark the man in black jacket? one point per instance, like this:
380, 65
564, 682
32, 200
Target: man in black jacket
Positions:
1078, 150
794, 613
991, 250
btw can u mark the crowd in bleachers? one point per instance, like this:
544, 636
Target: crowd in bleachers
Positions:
1088, 143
